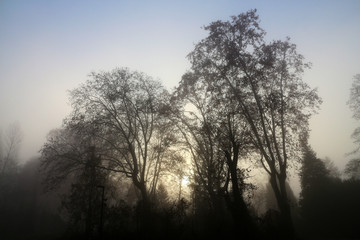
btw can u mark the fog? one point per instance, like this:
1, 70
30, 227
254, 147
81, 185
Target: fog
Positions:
48, 49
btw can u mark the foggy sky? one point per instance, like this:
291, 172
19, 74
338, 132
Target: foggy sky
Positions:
49, 47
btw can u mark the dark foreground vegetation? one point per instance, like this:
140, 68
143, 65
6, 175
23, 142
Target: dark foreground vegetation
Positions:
328, 209
134, 161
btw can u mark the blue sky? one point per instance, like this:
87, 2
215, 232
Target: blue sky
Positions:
49, 47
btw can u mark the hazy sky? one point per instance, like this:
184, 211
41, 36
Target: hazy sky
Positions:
49, 47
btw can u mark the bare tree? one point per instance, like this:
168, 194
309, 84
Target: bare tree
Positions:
191, 113
217, 138
119, 112
265, 79
10, 148
65, 154
352, 168
354, 101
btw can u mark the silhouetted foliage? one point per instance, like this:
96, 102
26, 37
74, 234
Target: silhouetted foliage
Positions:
329, 205
119, 113
331, 210
83, 203
314, 178
352, 169
354, 101
217, 138
235, 62
313, 171
125, 108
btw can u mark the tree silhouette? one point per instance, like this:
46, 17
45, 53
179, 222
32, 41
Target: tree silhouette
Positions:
352, 168
120, 112
314, 177
329, 206
195, 127
354, 101
265, 79
83, 202
217, 138
119, 115
9, 147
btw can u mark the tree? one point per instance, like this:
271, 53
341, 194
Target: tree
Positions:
8, 152
313, 176
9, 169
329, 205
216, 137
83, 203
332, 168
178, 168
119, 114
71, 157
352, 168
65, 154
235, 62
354, 101
198, 138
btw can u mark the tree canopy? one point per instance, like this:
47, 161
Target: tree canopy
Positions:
119, 113
235, 62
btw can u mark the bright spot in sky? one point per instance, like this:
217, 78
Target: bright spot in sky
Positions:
185, 181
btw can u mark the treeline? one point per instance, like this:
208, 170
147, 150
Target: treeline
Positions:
329, 204
121, 157
328, 208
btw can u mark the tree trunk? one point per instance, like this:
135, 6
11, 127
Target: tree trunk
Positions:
240, 211
143, 209
286, 223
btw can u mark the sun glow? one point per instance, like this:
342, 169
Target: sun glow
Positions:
185, 181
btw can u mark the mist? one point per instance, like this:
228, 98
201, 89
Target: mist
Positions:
174, 120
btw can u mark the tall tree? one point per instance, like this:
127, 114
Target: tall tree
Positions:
83, 204
216, 136
313, 176
234, 61
325, 197
354, 101
352, 168
192, 114
119, 112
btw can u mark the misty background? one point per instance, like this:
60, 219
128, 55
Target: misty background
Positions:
47, 48
50, 48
